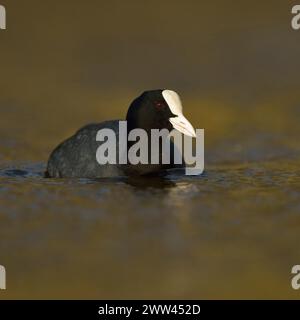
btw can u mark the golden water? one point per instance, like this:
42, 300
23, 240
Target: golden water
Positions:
233, 232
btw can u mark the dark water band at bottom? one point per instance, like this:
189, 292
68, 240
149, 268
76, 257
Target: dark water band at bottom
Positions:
131, 309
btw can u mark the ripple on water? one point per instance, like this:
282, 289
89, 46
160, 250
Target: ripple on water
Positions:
233, 216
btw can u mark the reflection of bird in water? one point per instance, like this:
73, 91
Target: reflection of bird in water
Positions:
150, 182
157, 109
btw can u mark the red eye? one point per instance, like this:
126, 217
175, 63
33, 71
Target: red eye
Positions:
159, 105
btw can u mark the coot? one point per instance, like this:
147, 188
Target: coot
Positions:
155, 109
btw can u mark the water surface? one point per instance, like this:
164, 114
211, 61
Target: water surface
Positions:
233, 232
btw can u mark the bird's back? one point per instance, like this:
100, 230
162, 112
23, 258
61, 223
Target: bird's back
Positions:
76, 156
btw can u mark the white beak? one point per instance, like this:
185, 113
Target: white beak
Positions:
181, 124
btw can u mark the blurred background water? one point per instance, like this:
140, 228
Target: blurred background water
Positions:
232, 232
